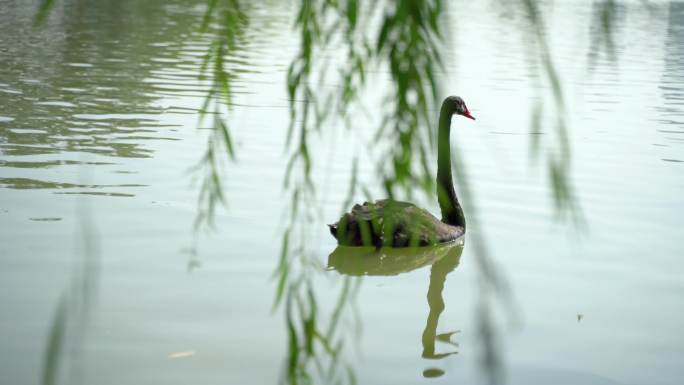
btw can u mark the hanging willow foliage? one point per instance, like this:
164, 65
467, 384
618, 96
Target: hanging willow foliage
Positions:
404, 39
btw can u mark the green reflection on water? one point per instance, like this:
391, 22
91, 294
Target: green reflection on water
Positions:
27, 183
49, 163
90, 84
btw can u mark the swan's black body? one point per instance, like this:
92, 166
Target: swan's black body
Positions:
400, 224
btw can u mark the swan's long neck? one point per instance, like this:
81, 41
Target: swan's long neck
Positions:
452, 213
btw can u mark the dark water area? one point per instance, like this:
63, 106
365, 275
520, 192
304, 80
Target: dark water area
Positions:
100, 128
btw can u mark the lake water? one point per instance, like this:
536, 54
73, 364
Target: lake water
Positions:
103, 280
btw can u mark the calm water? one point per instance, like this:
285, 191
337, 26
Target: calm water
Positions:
99, 127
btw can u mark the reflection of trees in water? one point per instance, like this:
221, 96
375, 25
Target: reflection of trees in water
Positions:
100, 94
79, 82
672, 83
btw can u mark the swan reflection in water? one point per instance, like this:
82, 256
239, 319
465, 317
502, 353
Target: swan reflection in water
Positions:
369, 261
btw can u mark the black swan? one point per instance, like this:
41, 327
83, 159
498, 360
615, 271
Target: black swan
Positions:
400, 224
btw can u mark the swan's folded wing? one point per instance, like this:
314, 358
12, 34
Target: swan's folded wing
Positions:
391, 223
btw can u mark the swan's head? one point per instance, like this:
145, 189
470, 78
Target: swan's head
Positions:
456, 105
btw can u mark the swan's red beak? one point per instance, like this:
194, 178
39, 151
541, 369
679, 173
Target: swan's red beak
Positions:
466, 113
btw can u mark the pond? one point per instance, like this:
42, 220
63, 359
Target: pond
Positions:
105, 280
